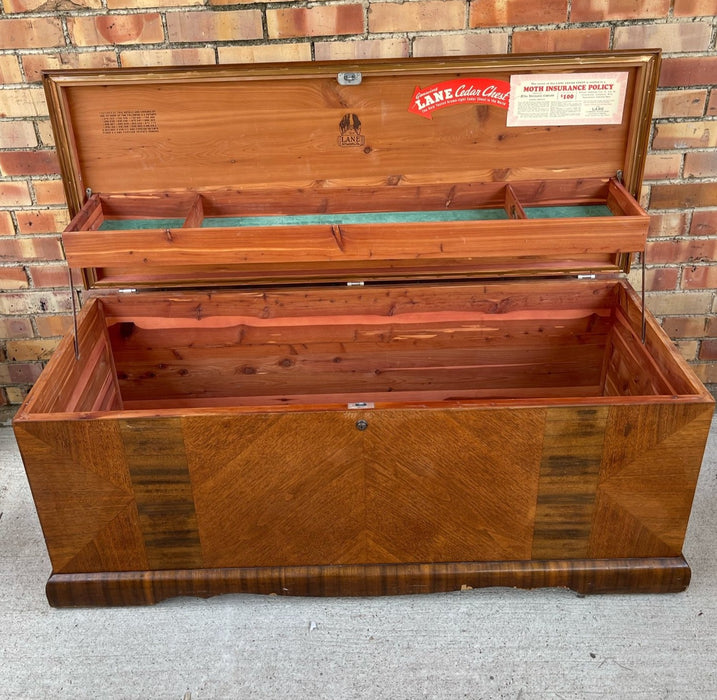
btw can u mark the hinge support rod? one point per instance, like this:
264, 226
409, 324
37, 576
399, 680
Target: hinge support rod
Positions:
74, 313
644, 319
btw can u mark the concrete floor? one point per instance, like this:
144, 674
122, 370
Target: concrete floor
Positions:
495, 643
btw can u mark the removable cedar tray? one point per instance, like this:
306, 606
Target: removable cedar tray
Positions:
333, 347
457, 230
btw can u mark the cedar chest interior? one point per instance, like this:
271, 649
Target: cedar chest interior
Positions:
384, 344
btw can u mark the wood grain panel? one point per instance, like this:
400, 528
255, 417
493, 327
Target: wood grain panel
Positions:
644, 575
569, 468
83, 495
650, 466
220, 376
278, 490
283, 247
663, 352
489, 301
370, 333
448, 486
247, 137
70, 376
310, 487
157, 465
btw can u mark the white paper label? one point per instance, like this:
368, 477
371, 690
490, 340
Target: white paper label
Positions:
563, 99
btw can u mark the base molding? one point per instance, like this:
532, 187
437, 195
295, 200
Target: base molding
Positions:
585, 576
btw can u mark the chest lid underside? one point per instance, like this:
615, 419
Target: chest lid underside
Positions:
421, 168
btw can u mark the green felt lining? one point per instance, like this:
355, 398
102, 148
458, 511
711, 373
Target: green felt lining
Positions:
362, 218
132, 224
572, 212
383, 217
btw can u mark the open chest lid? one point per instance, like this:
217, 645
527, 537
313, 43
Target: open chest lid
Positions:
323, 171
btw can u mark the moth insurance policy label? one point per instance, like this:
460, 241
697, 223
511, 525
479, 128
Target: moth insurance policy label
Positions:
563, 99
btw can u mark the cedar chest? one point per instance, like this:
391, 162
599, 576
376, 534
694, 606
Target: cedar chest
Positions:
357, 329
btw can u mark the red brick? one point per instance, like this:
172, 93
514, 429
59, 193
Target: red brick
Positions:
13, 278
704, 223
662, 166
682, 135
703, 194
708, 351
34, 64
48, 192
14, 194
700, 277
601, 10
326, 20
22, 102
661, 279
460, 44
706, 372
21, 249
590, 39
24, 372
428, 15
266, 53
683, 304
688, 71
701, 164
29, 163
370, 48
14, 6
672, 224
15, 328
49, 275
116, 29
49, 326
17, 134
685, 327
44, 128
167, 57
7, 228
694, 8
44, 221
35, 33
135, 4
712, 106
233, 25
688, 349
9, 70
28, 350
680, 103
671, 38
32, 302
504, 13
688, 250
16, 395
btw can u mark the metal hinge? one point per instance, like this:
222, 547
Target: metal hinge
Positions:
355, 284
352, 78
359, 404
590, 276
127, 290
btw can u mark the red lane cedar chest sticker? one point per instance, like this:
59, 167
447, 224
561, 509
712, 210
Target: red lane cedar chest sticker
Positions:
459, 91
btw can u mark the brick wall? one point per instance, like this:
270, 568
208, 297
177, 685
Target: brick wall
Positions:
681, 180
